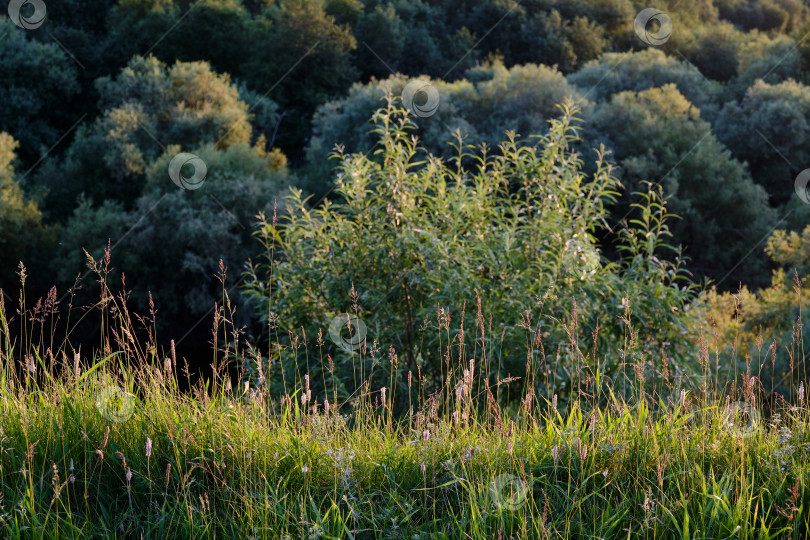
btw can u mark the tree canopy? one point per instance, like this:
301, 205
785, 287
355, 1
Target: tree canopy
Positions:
100, 99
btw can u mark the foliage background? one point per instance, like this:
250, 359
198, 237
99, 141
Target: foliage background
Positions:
98, 100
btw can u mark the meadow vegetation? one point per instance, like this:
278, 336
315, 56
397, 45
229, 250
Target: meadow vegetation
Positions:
560, 291
106, 443
527, 390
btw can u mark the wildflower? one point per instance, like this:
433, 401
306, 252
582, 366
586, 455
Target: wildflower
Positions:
610, 448
57, 487
554, 453
583, 450
648, 506
423, 467
305, 469
326, 406
426, 434
315, 532
148, 447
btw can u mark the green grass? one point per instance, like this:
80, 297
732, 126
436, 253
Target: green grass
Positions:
232, 460
226, 465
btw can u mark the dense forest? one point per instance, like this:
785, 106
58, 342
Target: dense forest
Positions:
688, 134
374, 269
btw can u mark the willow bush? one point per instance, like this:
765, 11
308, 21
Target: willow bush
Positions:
491, 269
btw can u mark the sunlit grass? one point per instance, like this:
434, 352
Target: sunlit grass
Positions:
231, 465
109, 446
